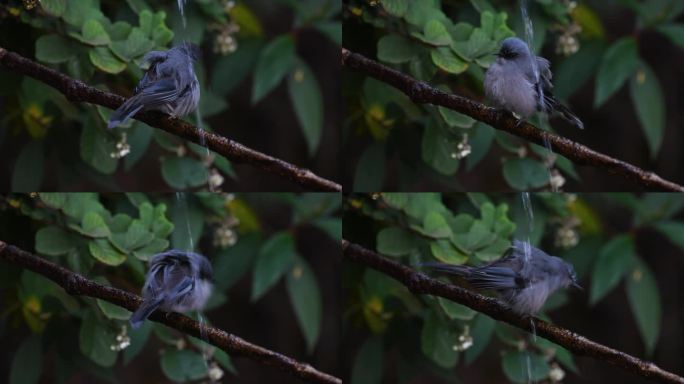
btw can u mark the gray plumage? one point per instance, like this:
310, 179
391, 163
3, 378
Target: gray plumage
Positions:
176, 281
512, 83
523, 282
169, 85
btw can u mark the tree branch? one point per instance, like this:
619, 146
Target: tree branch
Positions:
421, 284
77, 91
76, 284
421, 92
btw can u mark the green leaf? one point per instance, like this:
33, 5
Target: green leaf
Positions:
456, 119
28, 170
456, 310
93, 225
113, 311
525, 174
648, 100
54, 241
575, 70
27, 363
305, 297
307, 100
139, 140
135, 45
331, 29
54, 7
674, 232
77, 13
370, 170
103, 251
438, 151
435, 34
275, 61
97, 147
96, 339
155, 246
437, 342
395, 8
138, 341
515, 366
93, 33
481, 138
232, 263
54, 200
54, 49
395, 241
183, 365
615, 259
434, 225
332, 226
618, 63
230, 70
482, 330
368, 362
445, 59
644, 299
674, 32
395, 49
275, 258
444, 251
138, 5
184, 172
103, 58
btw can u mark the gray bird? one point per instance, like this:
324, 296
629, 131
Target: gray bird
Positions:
523, 282
177, 281
512, 83
169, 85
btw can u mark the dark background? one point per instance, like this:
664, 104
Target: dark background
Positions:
270, 126
609, 322
612, 129
269, 322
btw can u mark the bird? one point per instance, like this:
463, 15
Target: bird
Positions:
169, 85
521, 83
524, 276
177, 281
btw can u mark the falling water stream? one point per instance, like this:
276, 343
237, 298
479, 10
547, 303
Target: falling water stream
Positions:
182, 203
529, 39
181, 9
529, 214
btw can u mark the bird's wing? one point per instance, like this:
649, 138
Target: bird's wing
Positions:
495, 278
157, 93
545, 74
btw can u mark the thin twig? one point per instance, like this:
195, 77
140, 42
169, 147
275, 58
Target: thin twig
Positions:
76, 284
421, 284
422, 93
78, 91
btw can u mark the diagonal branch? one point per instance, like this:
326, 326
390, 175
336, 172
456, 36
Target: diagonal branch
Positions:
77, 91
420, 284
421, 92
76, 284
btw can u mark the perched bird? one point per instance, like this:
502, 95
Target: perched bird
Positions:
169, 85
521, 82
177, 281
523, 281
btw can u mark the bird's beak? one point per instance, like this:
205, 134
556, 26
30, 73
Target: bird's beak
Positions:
577, 286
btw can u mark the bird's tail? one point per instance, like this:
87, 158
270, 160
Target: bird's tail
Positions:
459, 270
554, 105
129, 108
145, 310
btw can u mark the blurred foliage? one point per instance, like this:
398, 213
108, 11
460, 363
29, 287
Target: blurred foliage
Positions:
109, 237
475, 229
103, 44
451, 44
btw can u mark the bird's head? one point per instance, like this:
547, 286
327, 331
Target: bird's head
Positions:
513, 48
